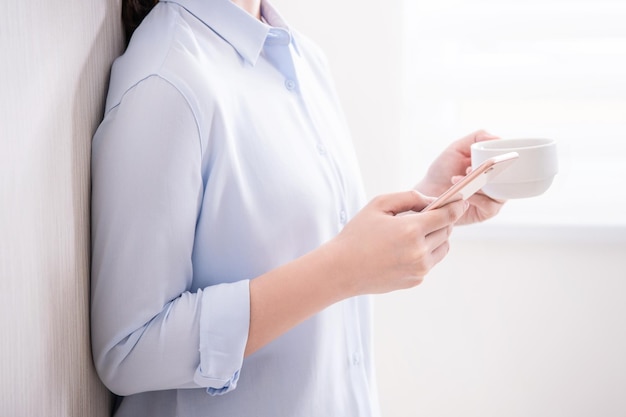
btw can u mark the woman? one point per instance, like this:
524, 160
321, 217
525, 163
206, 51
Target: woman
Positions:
232, 249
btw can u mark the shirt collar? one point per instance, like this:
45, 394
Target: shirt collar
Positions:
237, 27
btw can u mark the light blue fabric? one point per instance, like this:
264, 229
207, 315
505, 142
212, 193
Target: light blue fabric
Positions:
223, 154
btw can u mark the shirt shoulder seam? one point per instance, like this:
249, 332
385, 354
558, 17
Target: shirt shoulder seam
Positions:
184, 97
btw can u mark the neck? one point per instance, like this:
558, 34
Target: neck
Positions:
251, 6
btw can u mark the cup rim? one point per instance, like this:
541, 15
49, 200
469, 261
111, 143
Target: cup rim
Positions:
500, 145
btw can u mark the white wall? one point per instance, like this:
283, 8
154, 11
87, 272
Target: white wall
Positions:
53, 71
513, 323
517, 321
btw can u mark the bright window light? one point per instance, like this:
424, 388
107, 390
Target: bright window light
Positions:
525, 69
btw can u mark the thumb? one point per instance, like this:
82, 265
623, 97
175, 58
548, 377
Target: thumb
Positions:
457, 178
396, 203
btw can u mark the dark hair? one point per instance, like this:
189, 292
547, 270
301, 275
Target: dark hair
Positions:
133, 12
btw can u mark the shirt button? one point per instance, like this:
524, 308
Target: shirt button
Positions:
321, 149
356, 358
290, 84
343, 217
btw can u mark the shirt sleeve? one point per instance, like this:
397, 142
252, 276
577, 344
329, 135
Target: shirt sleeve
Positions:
149, 331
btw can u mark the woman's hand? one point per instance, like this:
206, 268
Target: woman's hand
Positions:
377, 251
382, 251
451, 165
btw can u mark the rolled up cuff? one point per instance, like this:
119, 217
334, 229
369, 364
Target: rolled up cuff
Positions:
224, 325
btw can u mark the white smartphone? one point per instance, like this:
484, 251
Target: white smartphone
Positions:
475, 180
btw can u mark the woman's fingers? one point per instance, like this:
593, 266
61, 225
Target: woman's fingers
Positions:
431, 233
482, 207
438, 237
440, 252
442, 217
401, 202
382, 252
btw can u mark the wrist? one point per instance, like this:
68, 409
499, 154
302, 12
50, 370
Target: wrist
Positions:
337, 274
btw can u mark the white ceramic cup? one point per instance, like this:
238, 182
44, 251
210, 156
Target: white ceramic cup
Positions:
529, 176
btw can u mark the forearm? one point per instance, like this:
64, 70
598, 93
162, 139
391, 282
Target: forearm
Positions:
288, 295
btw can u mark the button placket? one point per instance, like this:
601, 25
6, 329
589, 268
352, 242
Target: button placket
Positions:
278, 52
343, 217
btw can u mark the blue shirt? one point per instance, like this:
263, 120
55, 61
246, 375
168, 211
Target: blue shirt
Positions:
223, 154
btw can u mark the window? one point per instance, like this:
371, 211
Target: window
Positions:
533, 68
